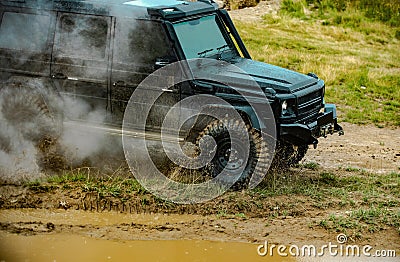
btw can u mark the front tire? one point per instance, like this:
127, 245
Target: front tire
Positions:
288, 155
242, 166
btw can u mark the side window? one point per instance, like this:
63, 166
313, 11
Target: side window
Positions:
140, 42
82, 36
137, 45
81, 46
28, 32
25, 37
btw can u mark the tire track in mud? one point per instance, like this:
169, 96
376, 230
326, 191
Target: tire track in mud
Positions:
54, 197
207, 228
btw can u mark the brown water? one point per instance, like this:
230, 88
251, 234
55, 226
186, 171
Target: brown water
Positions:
69, 246
64, 247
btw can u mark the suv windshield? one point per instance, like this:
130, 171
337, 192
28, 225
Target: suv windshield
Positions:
202, 37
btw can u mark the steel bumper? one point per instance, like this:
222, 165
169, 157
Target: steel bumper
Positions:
301, 134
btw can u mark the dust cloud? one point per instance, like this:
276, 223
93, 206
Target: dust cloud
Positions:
26, 154
32, 143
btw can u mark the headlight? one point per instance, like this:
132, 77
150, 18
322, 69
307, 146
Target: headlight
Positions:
287, 107
322, 110
284, 105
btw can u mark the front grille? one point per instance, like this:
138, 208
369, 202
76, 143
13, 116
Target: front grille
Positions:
304, 99
309, 104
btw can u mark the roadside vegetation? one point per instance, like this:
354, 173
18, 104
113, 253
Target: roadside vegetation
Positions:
352, 45
348, 200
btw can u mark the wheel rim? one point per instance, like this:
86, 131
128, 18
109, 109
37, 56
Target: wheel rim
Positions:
226, 152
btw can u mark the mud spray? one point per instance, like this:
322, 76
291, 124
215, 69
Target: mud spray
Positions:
27, 142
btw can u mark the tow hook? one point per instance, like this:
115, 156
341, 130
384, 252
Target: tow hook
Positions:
327, 130
339, 129
315, 144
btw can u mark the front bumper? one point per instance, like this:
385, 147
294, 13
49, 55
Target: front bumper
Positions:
308, 134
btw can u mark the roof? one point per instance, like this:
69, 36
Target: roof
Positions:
152, 3
169, 9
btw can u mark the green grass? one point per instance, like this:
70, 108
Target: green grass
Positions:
369, 202
363, 202
356, 222
69, 177
386, 11
357, 56
104, 186
350, 187
310, 165
359, 186
39, 187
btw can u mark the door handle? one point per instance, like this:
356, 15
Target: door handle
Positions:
59, 76
119, 83
167, 90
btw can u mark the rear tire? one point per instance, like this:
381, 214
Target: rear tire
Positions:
27, 111
31, 114
5, 145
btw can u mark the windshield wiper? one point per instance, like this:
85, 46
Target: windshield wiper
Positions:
222, 47
220, 50
205, 52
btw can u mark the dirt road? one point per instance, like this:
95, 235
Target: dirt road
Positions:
234, 217
364, 147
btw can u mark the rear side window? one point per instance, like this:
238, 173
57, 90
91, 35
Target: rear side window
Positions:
24, 31
82, 36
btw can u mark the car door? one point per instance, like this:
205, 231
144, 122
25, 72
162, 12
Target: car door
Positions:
137, 45
80, 64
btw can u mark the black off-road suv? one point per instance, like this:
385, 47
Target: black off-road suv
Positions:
99, 51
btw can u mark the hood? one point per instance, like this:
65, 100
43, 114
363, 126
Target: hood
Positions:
246, 70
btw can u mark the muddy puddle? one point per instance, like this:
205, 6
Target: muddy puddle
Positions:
68, 247
67, 243
74, 235
64, 247
54, 245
